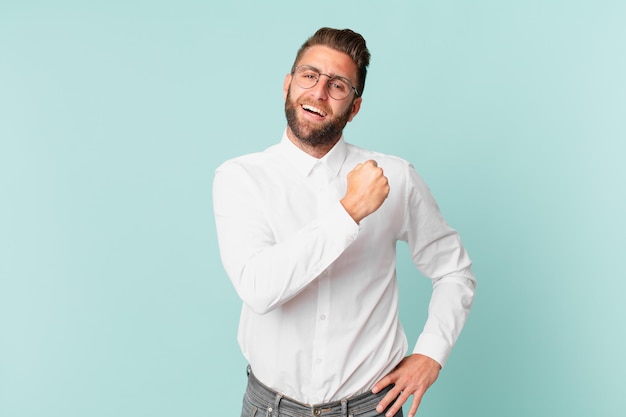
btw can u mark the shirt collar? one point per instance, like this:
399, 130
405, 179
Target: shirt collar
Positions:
304, 163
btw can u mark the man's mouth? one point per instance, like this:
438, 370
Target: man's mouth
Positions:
314, 110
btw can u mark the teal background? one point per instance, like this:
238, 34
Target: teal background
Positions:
114, 115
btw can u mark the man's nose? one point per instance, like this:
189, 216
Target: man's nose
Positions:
320, 89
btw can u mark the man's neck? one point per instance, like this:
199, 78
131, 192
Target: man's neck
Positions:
317, 151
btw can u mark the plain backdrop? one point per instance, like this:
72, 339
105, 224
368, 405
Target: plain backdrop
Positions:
114, 116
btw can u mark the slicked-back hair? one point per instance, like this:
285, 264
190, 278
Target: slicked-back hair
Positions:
342, 40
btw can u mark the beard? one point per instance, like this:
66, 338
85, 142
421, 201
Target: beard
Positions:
315, 135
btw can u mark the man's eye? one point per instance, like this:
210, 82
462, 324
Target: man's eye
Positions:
338, 85
310, 75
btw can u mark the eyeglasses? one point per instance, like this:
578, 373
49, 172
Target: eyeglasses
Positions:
307, 77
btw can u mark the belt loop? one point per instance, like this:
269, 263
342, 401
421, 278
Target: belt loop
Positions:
344, 408
270, 410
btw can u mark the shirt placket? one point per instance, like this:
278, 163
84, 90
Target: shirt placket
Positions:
320, 365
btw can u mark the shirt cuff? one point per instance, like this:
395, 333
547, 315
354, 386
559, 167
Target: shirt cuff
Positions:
343, 223
434, 347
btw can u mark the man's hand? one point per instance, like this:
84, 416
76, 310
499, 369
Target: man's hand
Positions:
413, 376
367, 189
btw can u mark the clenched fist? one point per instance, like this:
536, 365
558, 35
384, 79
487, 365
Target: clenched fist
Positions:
367, 189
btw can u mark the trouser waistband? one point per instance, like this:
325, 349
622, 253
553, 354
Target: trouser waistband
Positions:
261, 399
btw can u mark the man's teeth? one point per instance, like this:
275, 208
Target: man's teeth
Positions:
313, 109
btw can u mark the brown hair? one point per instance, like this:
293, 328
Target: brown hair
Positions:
342, 40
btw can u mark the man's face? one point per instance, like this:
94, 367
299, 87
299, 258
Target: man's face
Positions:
314, 117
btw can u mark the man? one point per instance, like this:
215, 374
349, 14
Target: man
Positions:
307, 232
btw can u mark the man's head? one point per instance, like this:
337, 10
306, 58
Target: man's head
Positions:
342, 40
323, 91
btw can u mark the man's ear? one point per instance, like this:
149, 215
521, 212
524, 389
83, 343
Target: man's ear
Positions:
286, 85
356, 106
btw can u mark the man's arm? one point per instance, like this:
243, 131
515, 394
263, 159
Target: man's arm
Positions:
437, 252
449, 307
267, 273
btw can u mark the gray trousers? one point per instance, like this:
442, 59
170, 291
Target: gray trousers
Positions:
262, 401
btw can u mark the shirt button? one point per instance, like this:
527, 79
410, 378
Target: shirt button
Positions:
318, 361
323, 317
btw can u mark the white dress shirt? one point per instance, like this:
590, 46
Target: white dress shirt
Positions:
319, 320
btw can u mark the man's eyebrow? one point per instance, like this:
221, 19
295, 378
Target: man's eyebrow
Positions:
331, 74
310, 67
